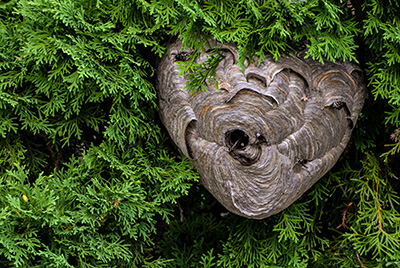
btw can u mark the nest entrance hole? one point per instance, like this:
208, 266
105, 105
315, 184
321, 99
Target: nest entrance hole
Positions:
236, 139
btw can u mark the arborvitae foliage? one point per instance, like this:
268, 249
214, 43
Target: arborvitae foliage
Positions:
89, 178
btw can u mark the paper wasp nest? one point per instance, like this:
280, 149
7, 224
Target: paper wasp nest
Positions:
268, 133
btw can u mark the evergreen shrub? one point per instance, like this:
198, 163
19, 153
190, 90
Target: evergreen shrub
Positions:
89, 177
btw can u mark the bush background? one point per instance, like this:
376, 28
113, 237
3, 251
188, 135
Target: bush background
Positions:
89, 177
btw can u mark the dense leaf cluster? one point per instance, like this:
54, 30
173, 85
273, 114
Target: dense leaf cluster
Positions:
89, 178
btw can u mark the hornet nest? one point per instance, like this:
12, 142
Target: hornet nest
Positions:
269, 132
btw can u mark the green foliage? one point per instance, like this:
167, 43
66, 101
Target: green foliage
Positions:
90, 213
199, 75
88, 177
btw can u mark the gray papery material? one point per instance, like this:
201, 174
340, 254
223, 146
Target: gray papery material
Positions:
268, 133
